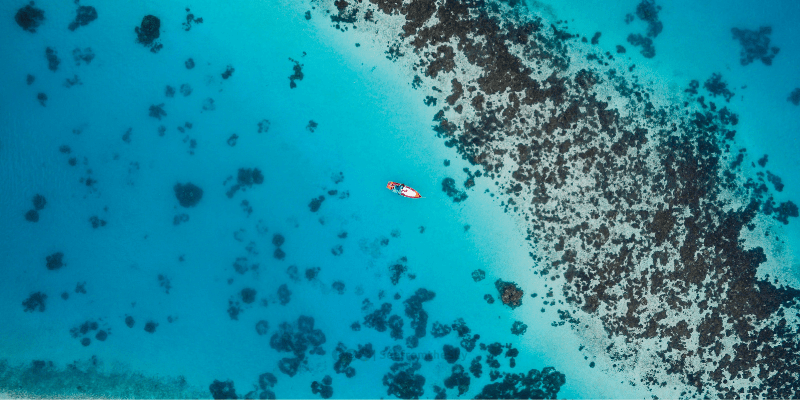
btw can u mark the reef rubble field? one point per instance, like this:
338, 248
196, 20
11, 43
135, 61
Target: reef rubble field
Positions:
636, 199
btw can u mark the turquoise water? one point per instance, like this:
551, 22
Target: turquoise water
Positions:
180, 290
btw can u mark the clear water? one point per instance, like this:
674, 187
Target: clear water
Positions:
156, 261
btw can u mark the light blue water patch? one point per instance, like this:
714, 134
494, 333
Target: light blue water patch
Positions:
99, 157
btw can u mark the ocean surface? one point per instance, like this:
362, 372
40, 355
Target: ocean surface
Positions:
194, 199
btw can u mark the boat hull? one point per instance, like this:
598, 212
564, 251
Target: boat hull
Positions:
405, 192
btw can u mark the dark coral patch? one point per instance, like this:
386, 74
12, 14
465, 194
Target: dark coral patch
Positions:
315, 203
55, 261
755, 45
39, 202
188, 194
284, 294
150, 327
35, 302
32, 216
535, 384
85, 15
222, 390
794, 97
451, 354
297, 75
403, 381
449, 187
148, 32
29, 17
52, 59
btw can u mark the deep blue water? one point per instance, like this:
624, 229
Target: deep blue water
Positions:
179, 290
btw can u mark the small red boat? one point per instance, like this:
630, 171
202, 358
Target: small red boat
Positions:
403, 190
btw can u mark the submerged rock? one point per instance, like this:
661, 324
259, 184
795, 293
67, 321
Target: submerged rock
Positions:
510, 293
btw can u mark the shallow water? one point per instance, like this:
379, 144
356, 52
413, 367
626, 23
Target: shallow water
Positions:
290, 121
